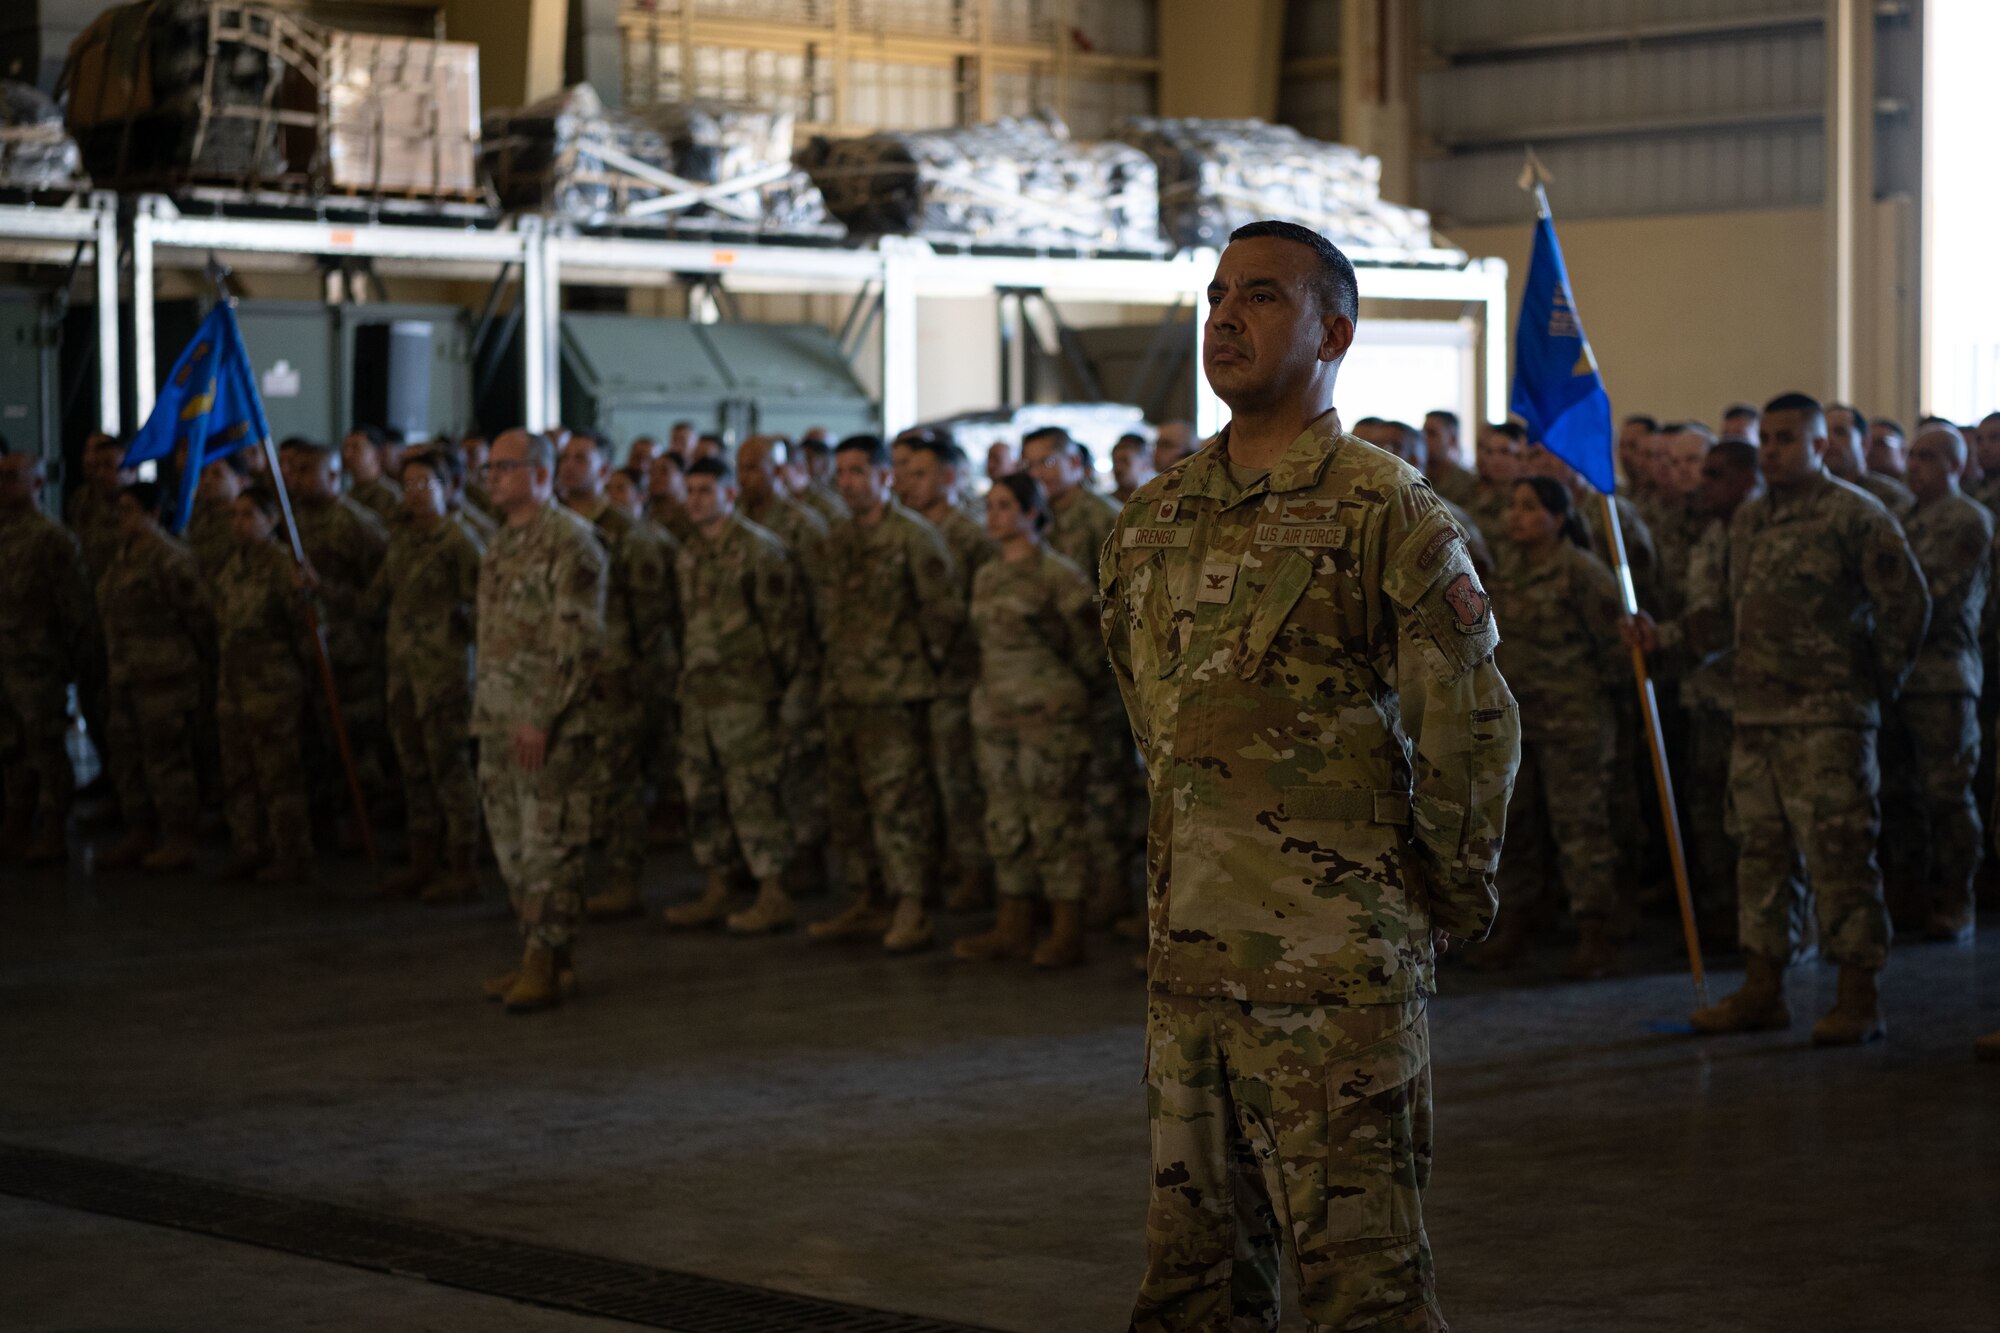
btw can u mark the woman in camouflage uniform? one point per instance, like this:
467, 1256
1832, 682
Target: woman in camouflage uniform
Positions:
1560, 651
1040, 661
261, 700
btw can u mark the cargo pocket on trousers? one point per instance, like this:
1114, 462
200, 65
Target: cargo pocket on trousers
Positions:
1378, 1137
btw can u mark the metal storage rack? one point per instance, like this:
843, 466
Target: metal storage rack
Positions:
60, 234
889, 279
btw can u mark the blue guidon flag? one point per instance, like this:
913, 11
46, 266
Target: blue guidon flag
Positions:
1557, 390
208, 407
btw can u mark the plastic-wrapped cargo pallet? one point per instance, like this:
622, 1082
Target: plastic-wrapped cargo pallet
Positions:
701, 163
1014, 182
1216, 175
36, 153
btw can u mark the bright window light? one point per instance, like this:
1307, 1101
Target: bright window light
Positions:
1961, 346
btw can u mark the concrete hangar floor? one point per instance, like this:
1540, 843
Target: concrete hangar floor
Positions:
225, 1108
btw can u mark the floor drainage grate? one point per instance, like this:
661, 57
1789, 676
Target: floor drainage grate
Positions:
535, 1274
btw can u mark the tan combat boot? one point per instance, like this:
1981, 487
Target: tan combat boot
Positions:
911, 928
973, 892
411, 878
460, 881
171, 857
134, 847
620, 899
1856, 1017
707, 910
1064, 946
534, 988
1012, 936
865, 918
1987, 1047
1595, 956
1759, 1006
771, 912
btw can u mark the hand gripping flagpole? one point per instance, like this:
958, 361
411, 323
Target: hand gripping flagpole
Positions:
219, 275
1535, 175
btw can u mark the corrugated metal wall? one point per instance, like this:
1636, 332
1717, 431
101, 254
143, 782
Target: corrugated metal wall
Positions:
1642, 107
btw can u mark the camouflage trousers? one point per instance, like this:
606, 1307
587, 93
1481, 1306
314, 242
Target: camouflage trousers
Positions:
1294, 1130
1804, 798
434, 755
152, 733
1943, 731
263, 770
1116, 794
1559, 822
732, 770
618, 788
540, 826
1036, 772
364, 713
660, 750
804, 783
879, 798
34, 718
956, 770
1705, 803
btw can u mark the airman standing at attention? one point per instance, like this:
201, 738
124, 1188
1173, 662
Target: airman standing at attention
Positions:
48, 623
211, 528
763, 477
1305, 859
93, 509
1952, 538
1079, 521
540, 648
159, 639
1503, 447
1830, 608
428, 592
930, 478
890, 609
264, 648
368, 483
666, 496
636, 675
1847, 458
1131, 465
746, 638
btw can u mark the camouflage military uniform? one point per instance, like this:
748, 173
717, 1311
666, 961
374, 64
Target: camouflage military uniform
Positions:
747, 631
427, 592
1829, 608
954, 755
1566, 661
93, 516
481, 526
1700, 645
889, 610
803, 533
345, 545
1952, 539
261, 704
1894, 495
1078, 524
48, 623
639, 669
1676, 527
825, 501
159, 639
1300, 852
1489, 505
541, 637
380, 497
1454, 482
477, 497
673, 516
209, 536
1041, 664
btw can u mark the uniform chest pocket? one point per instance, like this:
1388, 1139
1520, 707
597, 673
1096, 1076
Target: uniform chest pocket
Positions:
1273, 608
1159, 627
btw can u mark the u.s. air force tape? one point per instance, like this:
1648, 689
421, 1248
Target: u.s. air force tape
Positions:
1179, 535
1301, 534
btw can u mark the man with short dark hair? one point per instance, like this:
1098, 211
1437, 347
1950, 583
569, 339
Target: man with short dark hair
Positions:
1829, 609
541, 642
1412, 446
680, 441
1847, 443
1739, 422
1885, 446
1635, 463
709, 445
1985, 441
807, 468
1131, 465
1174, 441
1503, 448
890, 609
1449, 476
367, 480
1306, 857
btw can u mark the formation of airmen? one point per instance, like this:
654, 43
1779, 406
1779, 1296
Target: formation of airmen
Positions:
819, 660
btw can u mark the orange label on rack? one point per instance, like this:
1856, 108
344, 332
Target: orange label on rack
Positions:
340, 238
724, 256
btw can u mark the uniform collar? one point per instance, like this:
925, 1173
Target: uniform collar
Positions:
1299, 468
